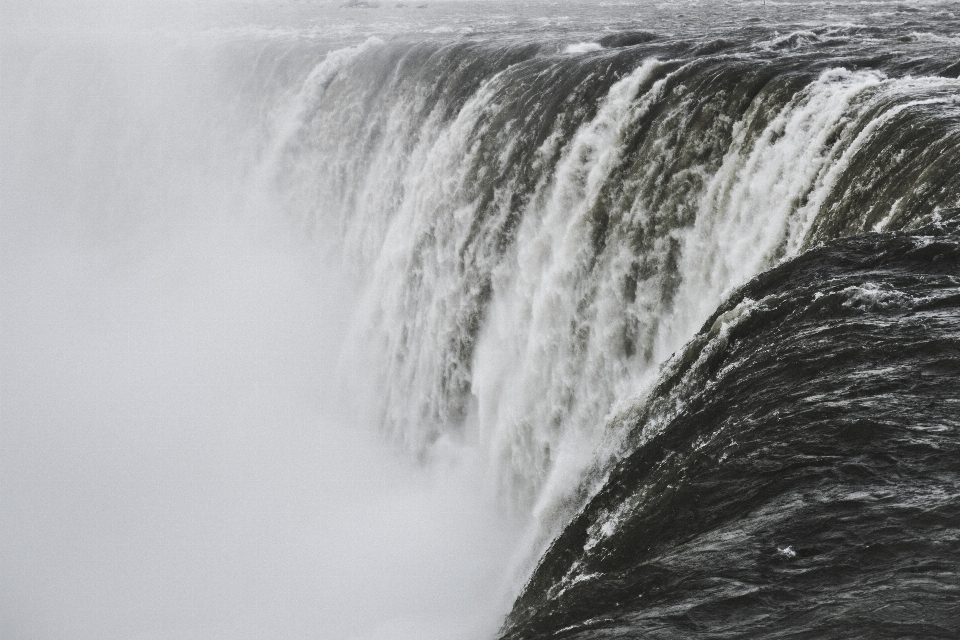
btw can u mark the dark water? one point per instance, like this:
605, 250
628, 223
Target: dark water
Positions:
805, 484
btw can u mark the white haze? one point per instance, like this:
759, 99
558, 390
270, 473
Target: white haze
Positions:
175, 457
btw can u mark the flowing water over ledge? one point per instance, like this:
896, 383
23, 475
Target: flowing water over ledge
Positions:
524, 212
792, 474
541, 225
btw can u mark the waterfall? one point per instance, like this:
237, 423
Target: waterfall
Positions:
535, 233
334, 320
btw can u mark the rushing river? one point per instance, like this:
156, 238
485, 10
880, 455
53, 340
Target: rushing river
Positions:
480, 319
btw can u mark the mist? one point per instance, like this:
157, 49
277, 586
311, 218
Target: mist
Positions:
178, 457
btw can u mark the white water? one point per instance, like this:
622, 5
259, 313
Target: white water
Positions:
548, 370
194, 392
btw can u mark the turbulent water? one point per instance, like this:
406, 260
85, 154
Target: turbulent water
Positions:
533, 211
803, 483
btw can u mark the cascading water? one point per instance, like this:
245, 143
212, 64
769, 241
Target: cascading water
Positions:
527, 214
540, 230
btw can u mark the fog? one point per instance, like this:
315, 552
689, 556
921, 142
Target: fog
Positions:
177, 457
